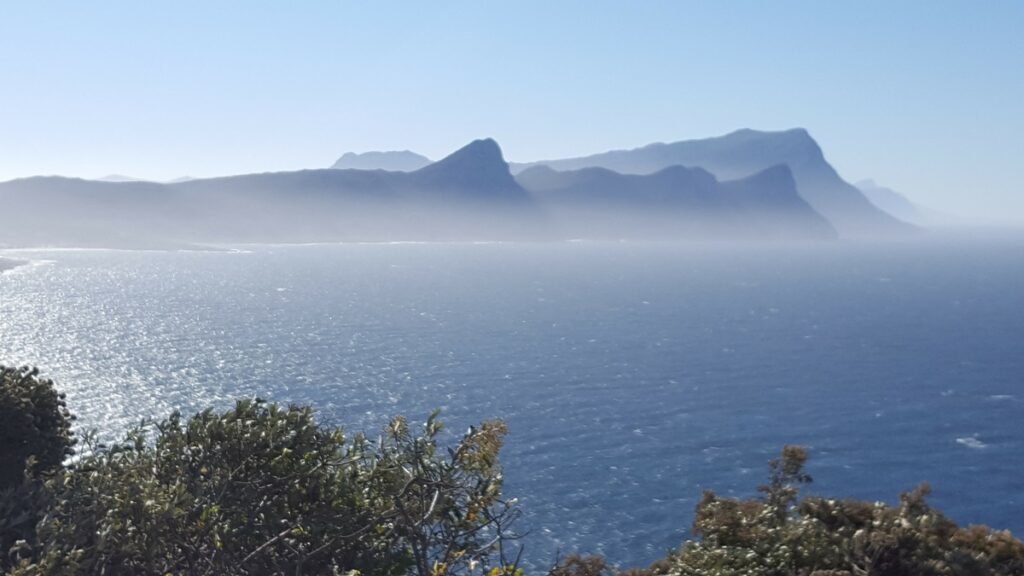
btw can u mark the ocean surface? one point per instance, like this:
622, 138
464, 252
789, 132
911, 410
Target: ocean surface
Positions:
631, 376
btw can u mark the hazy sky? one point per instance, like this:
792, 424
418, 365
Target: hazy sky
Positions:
926, 97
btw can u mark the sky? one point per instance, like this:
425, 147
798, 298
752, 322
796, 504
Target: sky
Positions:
926, 97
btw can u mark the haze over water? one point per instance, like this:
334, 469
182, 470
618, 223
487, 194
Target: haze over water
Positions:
632, 375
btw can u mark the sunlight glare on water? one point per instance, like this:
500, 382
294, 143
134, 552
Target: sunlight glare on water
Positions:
632, 376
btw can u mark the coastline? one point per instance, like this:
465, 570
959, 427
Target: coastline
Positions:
10, 264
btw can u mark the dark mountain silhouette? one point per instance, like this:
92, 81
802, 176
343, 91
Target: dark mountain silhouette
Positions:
600, 186
478, 170
393, 161
468, 195
746, 152
770, 202
675, 202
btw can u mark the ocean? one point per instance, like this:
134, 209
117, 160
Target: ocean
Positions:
632, 376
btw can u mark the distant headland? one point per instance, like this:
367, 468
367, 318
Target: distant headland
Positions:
746, 185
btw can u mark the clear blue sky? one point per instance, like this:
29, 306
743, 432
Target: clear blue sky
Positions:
925, 96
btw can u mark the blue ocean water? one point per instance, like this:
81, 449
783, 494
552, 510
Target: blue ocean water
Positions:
632, 376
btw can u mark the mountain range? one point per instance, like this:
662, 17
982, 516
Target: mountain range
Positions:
744, 153
675, 202
469, 195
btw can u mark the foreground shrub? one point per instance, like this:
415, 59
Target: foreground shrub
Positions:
782, 535
35, 438
263, 489
34, 424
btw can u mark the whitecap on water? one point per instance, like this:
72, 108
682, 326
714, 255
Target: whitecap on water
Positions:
971, 442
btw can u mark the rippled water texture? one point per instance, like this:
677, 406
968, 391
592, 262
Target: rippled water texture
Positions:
631, 376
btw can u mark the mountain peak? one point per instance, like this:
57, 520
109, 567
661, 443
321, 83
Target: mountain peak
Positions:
791, 136
478, 165
484, 150
478, 155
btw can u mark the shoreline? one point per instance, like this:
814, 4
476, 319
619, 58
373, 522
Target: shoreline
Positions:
934, 237
10, 264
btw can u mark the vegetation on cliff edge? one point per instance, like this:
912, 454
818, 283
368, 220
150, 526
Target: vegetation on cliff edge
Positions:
266, 489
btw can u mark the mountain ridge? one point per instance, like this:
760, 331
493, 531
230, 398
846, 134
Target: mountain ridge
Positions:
470, 194
677, 201
744, 152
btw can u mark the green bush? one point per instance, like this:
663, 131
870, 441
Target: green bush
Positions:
34, 424
780, 534
35, 439
263, 489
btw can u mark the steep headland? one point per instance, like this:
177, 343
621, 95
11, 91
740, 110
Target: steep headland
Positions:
744, 153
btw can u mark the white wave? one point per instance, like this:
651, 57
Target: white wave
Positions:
971, 442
